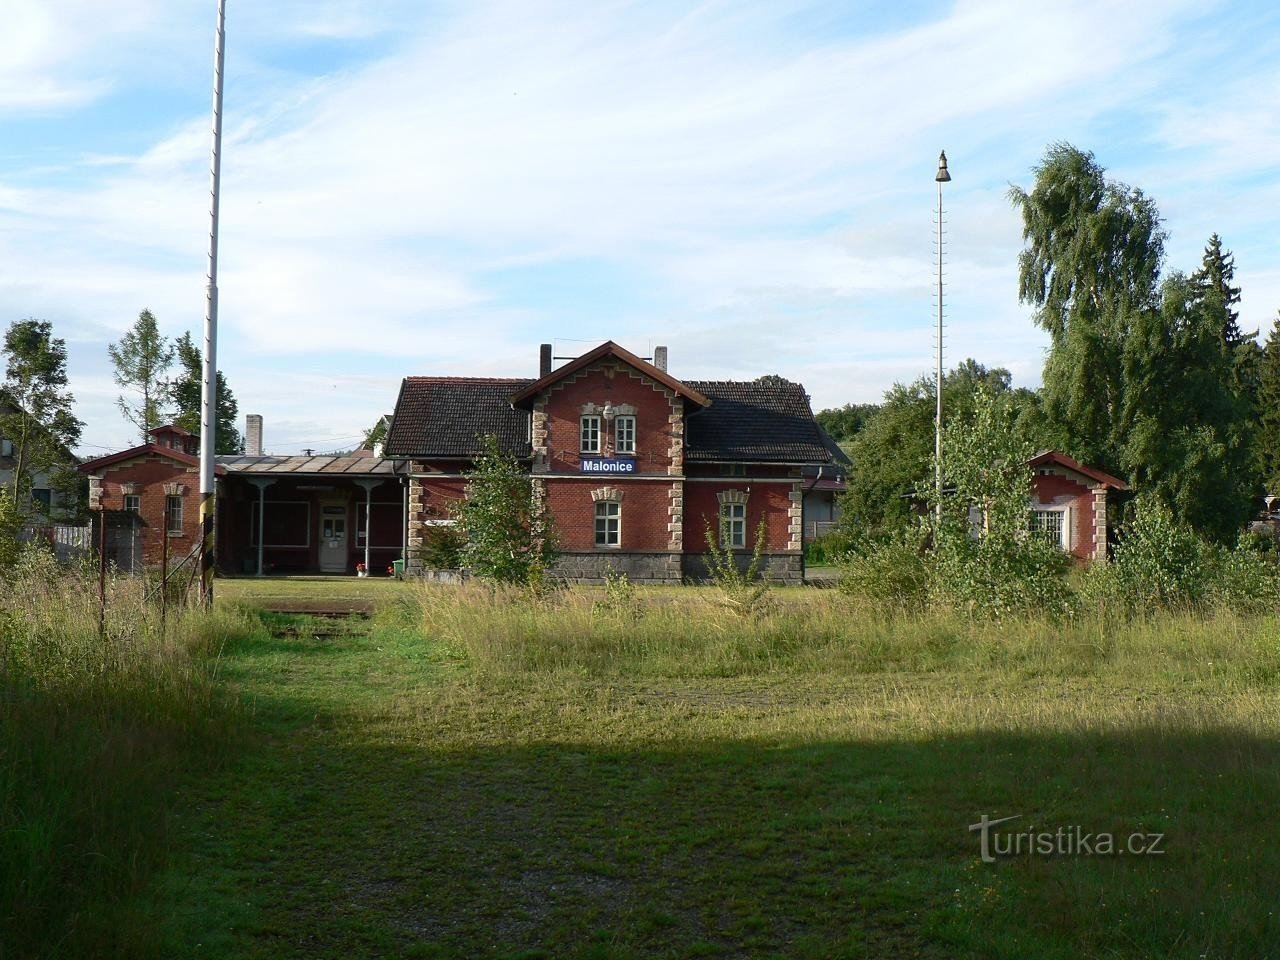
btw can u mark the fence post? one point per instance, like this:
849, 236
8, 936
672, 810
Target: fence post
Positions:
102, 575
164, 581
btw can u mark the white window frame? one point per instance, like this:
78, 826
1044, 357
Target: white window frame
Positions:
733, 526
624, 441
133, 503
608, 511
171, 500
1040, 516
589, 433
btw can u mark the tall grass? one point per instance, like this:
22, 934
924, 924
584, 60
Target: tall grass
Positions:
686, 632
94, 735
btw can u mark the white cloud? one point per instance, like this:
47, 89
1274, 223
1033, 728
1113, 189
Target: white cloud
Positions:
748, 177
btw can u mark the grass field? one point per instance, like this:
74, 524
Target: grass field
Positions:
411, 795
472, 773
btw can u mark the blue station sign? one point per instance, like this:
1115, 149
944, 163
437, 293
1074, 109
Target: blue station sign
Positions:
613, 465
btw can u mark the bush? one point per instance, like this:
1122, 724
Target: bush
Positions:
10, 528
1244, 580
442, 547
745, 592
1158, 562
893, 571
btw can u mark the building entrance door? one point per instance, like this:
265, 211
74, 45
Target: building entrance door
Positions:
333, 538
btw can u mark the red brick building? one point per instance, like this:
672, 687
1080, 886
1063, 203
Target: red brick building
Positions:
274, 514
634, 465
1069, 503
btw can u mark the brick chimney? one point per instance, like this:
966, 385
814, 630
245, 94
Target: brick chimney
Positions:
253, 435
660, 357
544, 360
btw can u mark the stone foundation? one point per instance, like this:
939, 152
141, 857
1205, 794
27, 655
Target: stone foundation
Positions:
638, 567
778, 567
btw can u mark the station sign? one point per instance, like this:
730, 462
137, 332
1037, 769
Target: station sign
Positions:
608, 465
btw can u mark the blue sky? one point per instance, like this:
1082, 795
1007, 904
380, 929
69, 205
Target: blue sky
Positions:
435, 188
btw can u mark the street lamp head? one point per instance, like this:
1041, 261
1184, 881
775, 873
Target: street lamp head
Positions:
943, 176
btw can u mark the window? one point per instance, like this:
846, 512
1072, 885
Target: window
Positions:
590, 434
733, 525
608, 523
133, 503
173, 514
1052, 525
624, 434
733, 469
6, 448
43, 498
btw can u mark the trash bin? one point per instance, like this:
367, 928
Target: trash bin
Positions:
397, 569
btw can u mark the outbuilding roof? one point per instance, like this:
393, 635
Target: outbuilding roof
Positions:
306, 466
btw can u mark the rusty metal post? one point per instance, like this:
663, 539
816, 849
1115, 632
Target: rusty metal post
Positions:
164, 581
102, 575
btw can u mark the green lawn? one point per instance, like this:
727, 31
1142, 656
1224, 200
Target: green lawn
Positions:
397, 796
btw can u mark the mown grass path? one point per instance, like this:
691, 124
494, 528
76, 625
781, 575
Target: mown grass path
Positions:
390, 803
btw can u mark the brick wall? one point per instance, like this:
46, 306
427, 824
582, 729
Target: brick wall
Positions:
147, 477
644, 507
652, 404
1059, 490
774, 500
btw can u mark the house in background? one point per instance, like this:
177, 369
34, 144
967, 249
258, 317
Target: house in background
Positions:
1069, 503
48, 502
635, 465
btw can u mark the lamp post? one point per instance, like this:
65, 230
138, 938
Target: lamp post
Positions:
942, 177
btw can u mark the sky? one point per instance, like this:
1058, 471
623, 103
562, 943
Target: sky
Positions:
419, 188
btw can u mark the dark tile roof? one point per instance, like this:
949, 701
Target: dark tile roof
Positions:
448, 416
755, 421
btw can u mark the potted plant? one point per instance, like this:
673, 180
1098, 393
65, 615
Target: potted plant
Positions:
361, 571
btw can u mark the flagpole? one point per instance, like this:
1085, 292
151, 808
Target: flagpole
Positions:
209, 371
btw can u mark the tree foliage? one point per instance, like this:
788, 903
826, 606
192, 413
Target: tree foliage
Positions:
894, 450
1151, 380
142, 358
510, 535
38, 416
1266, 436
986, 560
1090, 265
845, 423
184, 395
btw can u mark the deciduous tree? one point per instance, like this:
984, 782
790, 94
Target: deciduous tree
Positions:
510, 536
1090, 265
38, 418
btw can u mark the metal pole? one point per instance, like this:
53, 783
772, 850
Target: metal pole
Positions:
943, 176
208, 389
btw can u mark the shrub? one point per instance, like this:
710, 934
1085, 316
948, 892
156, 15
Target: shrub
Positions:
1158, 562
1244, 580
442, 547
893, 571
620, 600
745, 592
510, 536
10, 528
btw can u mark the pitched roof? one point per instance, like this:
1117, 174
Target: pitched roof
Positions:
1053, 456
146, 449
449, 416
524, 396
758, 421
